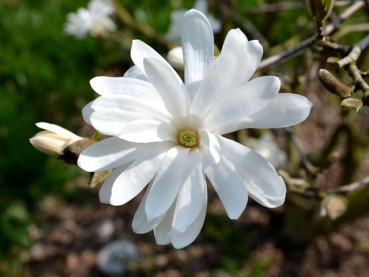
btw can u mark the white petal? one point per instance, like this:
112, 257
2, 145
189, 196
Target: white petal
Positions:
186, 236
141, 51
247, 99
210, 141
140, 224
135, 72
87, 112
198, 45
285, 110
218, 81
234, 39
249, 56
119, 189
228, 184
132, 107
110, 153
170, 90
110, 121
191, 195
149, 131
162, 231
193, 88
58, 130
262, 181
105, 192
167, 182
124, 85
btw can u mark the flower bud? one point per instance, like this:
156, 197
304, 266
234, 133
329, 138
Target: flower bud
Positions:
352, 103
320, 9
333, 206
54, 140
334, 85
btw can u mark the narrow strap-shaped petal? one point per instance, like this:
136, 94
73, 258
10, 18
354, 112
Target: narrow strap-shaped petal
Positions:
58, 130
124, 85
234, 40
118, 190
149, 131
262, 180
167, 182
87, 112
110, 153
198, 45
112, 121
135, 72
285, 110
133, 105
218, 81
162, 231
140, 224
210, 141
186, 236
174, 96
247, 99
228, 184
248, 57
141, 51
190, 196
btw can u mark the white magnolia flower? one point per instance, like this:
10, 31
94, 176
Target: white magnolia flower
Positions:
54, 140
168, 133
94, 20
174, 32
268, 148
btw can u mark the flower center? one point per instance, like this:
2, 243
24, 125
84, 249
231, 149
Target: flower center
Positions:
187, 138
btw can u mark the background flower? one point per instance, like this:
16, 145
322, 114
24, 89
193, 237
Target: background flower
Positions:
269, 149
168, 133
94, 20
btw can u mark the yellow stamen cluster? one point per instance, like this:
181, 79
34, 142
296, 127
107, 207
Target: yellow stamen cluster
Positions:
187, 138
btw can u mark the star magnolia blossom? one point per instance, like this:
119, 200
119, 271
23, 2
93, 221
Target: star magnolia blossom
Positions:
94, 20
168, 133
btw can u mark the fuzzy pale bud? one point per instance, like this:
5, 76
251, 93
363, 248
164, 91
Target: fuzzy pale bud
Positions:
333, 206
320, 9
352, 103
334, 85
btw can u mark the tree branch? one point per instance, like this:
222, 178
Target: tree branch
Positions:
307, 42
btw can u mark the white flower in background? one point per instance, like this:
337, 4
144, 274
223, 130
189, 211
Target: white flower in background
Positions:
269, 149
175, 57
54, 140
174, 32
168, 133
94, 20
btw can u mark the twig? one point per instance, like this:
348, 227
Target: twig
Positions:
351, 187
276, 7
145, 30
305, 162
365, 74
306, 43
254, 32
355, 52
350, 29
